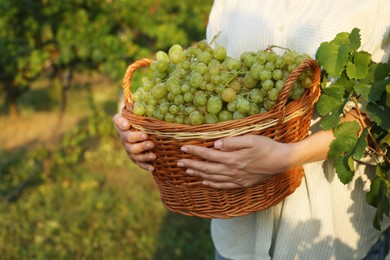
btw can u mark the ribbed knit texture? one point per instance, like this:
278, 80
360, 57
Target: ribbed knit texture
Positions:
323, 218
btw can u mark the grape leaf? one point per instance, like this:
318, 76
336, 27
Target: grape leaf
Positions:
363, 90
343, 170
327, 104
343, 84
377, 197
358, 69
349, 128
341, 39
354, 39
388, 95
332, 57
334, 91
379, 115
379, 71
360, 145
331, 121
341, 145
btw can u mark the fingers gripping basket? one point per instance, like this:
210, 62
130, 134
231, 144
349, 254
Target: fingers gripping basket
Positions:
185, 194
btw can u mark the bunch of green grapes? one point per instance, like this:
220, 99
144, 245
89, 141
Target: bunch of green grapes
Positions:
202, 85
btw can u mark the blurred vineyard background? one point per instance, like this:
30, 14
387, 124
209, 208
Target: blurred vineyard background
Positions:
67, 188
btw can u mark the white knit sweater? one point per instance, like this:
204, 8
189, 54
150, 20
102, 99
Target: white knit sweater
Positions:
322, 219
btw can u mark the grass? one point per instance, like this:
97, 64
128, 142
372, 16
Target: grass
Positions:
69, 192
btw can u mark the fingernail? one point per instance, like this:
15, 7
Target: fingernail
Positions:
144, 136
152, 156
189, 171
218, 144
205, 183
149, 145
184, 149
180, 164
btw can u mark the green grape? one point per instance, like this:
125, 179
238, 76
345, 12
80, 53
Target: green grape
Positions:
261, 57
185, 88
137, 95
254, 109
161, 65
169, 118
232, 106
157, 114
149, 109
232, 64
204, 56
267, 84
256, 96
291, 67
210, 119
279, 63
206, 77
193, 51
224, 77
196, 118
215, 79
159, 91
243, 106
225, 115
238, 115
235, 84
265, 74
174, 109
214, 69
189, 109
178, 73
214, 105
202, 45
173, 85
219, 88
306, 83
249, 58
270, 66
255, 70
271, 56
249, 82
196, 80
179, 100
228, 94
139, 108
201, 68
268, 104
175, 48
210, 87
179, 119
188, 97
163, 108
199, 99
277, 74
162, 55
273, 94
219, 52
170, 96
147, 85
177, 57
185, 65
288, 58
279, 84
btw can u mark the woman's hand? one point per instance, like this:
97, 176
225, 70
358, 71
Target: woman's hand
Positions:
237, 162
136, 143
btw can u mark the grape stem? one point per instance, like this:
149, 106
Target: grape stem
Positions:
233, 77
215, 38
361, 118
270, 47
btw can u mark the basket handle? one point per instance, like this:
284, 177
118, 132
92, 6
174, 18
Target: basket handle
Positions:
280, 105
126, 82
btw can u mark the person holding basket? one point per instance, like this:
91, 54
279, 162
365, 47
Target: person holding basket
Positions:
323, 218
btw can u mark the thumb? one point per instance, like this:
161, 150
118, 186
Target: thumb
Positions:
235, 143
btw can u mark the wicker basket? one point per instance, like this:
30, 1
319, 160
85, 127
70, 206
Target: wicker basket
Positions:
185, 194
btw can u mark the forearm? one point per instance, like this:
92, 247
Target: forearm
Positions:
315, 147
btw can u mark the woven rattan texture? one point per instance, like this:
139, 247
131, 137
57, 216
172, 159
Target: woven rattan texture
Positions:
181, 193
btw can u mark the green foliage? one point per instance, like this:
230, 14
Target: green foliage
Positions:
358, 79
106, 36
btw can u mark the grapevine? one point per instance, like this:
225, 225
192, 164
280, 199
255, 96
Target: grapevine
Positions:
351, 79
203, 85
